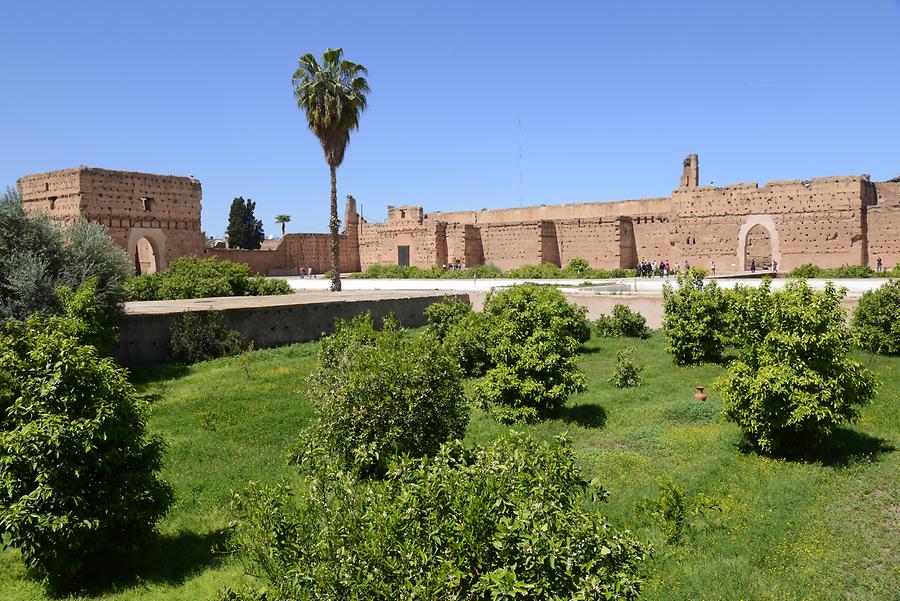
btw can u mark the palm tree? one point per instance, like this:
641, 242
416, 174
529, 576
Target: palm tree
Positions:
282, 219
332, 95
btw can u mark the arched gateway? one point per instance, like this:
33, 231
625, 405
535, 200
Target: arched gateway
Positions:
145, 258
758, 241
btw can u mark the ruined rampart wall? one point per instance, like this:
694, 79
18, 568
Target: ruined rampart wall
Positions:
378, 244
652, 240
510, 245
884, 225
593, 239
259, 261
164, 209
56, 193
587, 210
816, 221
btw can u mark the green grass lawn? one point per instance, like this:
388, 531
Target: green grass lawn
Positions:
821, 528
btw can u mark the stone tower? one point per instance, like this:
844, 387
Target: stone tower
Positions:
690, 177
350, 250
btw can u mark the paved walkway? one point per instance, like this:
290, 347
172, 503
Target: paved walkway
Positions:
624, 286
300, 297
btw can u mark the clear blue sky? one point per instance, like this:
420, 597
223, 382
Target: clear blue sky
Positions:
611, 96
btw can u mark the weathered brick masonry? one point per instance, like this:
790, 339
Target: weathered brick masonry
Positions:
829, 221
155, 218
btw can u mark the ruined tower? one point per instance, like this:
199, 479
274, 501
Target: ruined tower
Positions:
690, 177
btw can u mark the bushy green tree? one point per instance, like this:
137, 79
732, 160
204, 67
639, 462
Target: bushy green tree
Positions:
443, 316
379, 394
468, 342
503, 521
694, 319
795, 381
78, 470
534, 339
876, 321
464, 333
36, 257
244, 229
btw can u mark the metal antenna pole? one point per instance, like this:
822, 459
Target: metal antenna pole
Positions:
520, 161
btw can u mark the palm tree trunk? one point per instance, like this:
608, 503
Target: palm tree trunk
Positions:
335, 240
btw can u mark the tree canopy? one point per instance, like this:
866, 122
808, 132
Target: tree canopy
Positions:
244, 229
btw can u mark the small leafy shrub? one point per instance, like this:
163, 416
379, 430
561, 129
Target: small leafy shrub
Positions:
497, 522
196, 337
385, 393
626, 374
79, 482
262, 286
622, 322
673, 508
795, 381
193, 277
433, 272
876, 321
805, 271
694, 319
534, 338
545, 271
578, 267
808, 270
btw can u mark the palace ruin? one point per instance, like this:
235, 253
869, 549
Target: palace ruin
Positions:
828, 221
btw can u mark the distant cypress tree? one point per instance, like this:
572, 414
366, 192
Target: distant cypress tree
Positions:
244, 229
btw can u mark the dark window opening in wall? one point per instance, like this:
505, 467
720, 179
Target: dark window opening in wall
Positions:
46, 187
402, 214
52, 200
403, 256
146, 201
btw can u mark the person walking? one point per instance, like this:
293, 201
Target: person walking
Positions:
752, 265
878, 265
713, 268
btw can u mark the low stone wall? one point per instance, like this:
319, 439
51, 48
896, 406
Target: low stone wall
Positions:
266, 321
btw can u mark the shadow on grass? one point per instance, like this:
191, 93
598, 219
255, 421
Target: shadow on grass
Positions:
844, 447
155, 373
168, 559
586, 416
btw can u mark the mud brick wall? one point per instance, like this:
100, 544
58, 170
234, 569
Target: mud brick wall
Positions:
884, 225
816, 221
652, 239
312, 250
611, 209
510, 245
259, 261
165, 209
57, 194
594, 239
378, 244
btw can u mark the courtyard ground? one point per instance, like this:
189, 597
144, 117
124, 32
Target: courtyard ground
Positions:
823, 527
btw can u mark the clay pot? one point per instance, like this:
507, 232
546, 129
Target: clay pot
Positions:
699, 394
